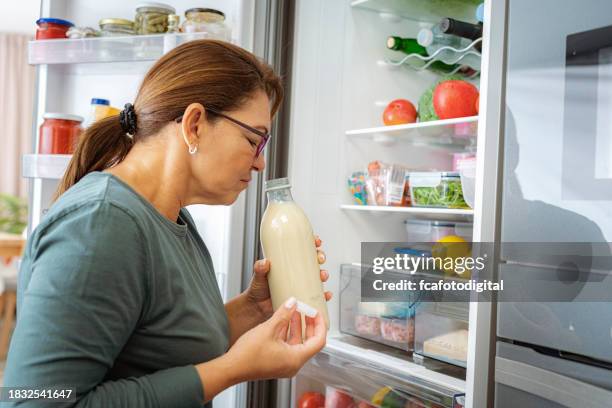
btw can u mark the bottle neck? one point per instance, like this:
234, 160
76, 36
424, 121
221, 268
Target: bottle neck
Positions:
280, 195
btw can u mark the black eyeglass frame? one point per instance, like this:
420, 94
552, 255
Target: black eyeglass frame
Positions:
265, 136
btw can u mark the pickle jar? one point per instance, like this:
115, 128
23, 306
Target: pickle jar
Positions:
111, 27
206, 20
152, 18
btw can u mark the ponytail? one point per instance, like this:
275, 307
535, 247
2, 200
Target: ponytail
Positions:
102, 145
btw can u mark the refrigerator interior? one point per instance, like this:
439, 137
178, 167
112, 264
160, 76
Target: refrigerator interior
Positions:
342, 82
72, 72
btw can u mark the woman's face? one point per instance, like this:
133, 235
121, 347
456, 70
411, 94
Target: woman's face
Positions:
225, 160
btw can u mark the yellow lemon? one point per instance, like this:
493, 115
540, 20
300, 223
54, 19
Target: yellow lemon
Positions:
452, 247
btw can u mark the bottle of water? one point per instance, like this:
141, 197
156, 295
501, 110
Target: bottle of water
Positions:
432, 39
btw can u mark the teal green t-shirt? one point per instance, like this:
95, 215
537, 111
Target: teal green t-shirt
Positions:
117, 301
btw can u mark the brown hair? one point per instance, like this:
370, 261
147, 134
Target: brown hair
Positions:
219, 75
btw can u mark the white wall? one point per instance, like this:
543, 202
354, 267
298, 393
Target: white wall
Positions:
20, 17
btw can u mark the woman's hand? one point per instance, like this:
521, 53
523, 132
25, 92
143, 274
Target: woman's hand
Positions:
258, 292
274, 349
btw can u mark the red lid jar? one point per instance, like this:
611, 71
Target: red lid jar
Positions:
59, 133
52, 28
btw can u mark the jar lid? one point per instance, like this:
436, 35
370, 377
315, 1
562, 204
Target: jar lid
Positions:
277, 184
205, 10
117, 21
151, 4
97, 101
63, 116
54, 21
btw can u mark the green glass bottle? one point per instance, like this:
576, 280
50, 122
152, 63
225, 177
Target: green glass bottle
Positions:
411, 46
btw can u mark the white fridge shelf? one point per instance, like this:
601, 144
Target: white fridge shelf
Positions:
106, 49
421, 10
453, 134
447, 214
45, 166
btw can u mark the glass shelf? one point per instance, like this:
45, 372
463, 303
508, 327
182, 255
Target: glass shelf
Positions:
134, 48
422, 10
443, 214
457, 134
45, 166
419, 62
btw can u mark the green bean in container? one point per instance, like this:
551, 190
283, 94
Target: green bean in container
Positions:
152, 18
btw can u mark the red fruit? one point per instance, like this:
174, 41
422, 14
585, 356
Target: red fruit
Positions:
338, 399
398, 112
455, 99
364, 404
477, 106
311, 399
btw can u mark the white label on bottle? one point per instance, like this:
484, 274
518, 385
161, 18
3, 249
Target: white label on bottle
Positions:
395, 191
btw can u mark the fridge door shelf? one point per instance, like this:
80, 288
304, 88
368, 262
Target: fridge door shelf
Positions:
458, 134
447, 214
44, 166
420, 10
106, 49
420, 63
364, 374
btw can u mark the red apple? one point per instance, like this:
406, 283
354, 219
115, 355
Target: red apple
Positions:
455, 99
399, 112
311, 399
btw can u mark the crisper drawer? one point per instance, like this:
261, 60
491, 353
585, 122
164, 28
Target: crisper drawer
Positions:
441, 331
332, 380
389, 323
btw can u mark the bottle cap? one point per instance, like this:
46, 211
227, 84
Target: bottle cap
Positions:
392, 43
480, 13
425, 37
97, 101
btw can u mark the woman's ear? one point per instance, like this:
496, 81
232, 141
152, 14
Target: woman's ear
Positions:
192, 119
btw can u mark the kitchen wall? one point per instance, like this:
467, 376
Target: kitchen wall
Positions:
20, 17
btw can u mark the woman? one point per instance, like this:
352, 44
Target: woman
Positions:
117, 293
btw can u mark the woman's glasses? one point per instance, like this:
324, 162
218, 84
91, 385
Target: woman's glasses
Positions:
264, 136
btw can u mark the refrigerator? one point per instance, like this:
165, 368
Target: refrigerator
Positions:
554, 329
339, 78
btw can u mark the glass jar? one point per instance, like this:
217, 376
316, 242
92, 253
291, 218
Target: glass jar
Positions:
436, 189
52, 28
206, 20
113, 27
152, 18
59, 133
174, 24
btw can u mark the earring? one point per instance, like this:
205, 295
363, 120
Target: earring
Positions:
193, 149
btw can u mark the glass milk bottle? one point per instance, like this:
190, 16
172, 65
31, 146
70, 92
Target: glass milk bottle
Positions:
288, 242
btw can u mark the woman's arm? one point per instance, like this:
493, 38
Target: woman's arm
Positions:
243, 314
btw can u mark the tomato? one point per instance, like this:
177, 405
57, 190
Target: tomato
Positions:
338, 399
455, 99
311, 399
398, 112
477, 105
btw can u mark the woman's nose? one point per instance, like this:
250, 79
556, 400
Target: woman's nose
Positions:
260, 163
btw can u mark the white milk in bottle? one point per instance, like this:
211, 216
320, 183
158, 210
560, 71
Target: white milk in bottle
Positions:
288, 242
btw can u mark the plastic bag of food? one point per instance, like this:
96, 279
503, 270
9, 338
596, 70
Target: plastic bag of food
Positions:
357, 187
376, 183
397, 187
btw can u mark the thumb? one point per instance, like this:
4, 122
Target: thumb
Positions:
261, 268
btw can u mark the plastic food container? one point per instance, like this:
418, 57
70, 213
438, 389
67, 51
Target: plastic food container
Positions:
467, 171
113, 27
152, 18
52, 28
436, 189
458, 157
432, 231
59, 133
206, 20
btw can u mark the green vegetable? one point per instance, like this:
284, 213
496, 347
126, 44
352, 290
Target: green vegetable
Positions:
13, 214
447, 194
426, 108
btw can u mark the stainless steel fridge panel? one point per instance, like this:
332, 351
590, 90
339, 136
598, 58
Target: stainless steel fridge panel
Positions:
579, 327
528, 379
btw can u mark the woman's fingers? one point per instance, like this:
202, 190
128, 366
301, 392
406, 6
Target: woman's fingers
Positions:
295, 329
328, 295
324, 275
318, 241
262, 267
316, 333
320, 256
